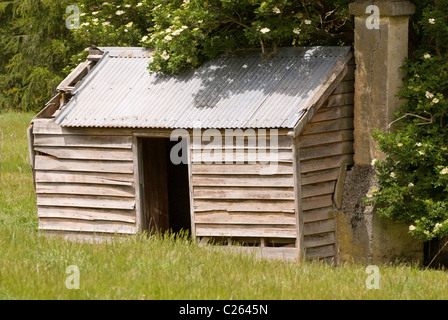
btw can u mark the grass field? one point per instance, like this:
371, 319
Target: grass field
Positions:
34, 267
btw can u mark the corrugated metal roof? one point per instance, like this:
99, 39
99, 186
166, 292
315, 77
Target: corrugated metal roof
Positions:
229, 92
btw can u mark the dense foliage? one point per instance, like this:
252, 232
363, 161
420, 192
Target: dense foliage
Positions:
187, 32
38, 50
413, 178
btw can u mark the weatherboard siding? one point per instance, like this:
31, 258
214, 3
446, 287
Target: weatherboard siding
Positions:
245, 202
84, 179
326, 147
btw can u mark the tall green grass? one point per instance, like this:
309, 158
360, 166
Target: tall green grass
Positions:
33, 266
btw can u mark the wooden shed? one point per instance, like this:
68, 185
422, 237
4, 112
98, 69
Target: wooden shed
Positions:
102, 149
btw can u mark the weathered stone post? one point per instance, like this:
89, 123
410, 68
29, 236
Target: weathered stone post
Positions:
381, 45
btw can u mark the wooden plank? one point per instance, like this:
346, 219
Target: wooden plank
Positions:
286, 254
324, 151
201, 205
276, 181
83, 189
224, 217
84, 177
318, 214
313, 165
86, 226
322, 188
319, 227
332, 113
243, 193
350, 72
319, 240
347, 86
244, 138
86, 214
30, 136
340, 100
320, 176
298, 198
87, 153
48, 126
245, 156
329, 126
317, 202
243, 169
86, 237
96, 141
321, 252
325, 138
210, 230
85, 202
51, 163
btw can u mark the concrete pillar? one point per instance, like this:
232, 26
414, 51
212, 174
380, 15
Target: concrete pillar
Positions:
381, 46
380, 51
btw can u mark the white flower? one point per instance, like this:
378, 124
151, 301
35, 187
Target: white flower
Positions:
421, 153
265, 30
126, 30
307, 21
168, 38
168, 30
276, 10
373, 162
418, 144
144, 38
95, 20
105, 3
444, 171
432, 21
296, 31
85, 24
95, 12
139, 4
177, 32
411, 228
165, 55
411, 185
127, 5
185, 27
129, 24
429, 95
427, 56
399, 144
435, 101
106, 23
119, 12
437, 226
83, 14
392, 174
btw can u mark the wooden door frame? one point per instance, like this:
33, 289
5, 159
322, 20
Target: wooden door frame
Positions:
138, 174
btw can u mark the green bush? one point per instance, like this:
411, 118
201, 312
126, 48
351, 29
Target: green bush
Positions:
413, 178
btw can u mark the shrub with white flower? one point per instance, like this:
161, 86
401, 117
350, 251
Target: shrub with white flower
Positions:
200, 30
416, 149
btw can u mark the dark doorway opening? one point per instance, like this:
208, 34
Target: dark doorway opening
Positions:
166, 191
